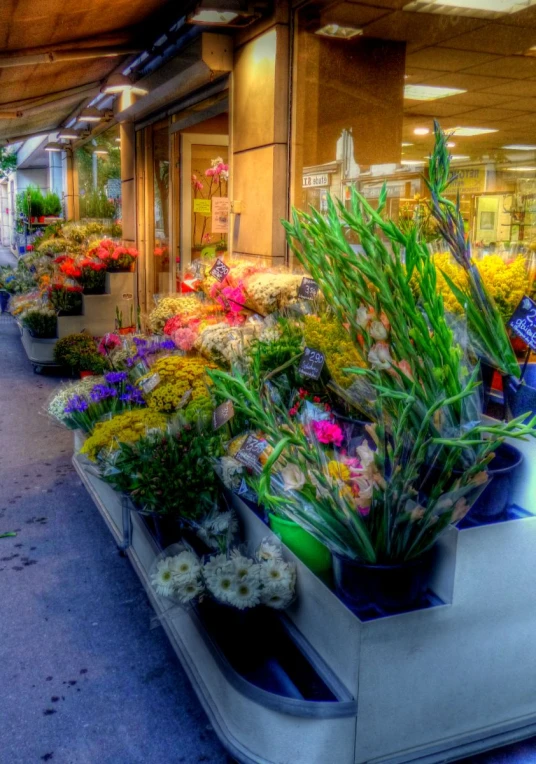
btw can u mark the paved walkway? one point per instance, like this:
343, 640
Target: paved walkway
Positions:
6, 257
84, 679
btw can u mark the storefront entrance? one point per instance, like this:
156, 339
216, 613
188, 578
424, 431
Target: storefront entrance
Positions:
183, 180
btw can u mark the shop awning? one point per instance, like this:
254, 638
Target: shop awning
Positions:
54, 56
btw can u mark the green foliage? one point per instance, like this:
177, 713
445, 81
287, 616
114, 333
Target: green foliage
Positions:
169, 473
79, 353
31, 202
40, 322
8, 162
52, 204
95, 204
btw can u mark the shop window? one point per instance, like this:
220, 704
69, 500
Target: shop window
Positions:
99, 176
367, 86
161, 189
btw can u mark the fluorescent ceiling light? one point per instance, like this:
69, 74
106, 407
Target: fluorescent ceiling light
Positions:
421, 131
450, 145
118, 140
117, 83
429, 92
476, 8
412, 162
458, 157
90, 115
470, 131
69, 135
100, 151
521, 169
407, 144
213, 17
520, 147
334, 30
53, 146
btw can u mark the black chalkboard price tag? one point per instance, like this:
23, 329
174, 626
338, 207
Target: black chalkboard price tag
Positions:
219, 270
523, 321
308, 289
249, 452
222, 414
312, 363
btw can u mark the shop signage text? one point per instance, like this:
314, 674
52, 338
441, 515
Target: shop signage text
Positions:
315, 181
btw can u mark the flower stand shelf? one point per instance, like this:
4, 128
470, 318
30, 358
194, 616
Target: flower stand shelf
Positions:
432, 685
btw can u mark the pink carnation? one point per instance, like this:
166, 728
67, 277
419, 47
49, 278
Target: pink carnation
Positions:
184, 338
327, 432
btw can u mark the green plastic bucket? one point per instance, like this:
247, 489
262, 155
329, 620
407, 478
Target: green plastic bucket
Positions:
311, 552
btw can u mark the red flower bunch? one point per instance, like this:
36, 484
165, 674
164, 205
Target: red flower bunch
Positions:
103, 250
116, 256
69, 268
172, 324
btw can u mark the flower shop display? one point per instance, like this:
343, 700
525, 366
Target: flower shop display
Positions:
108, 397
79, 353
176, 308
65, 296
233, 579
92, 277
59, 401
115, 256
41, 322
177, 380
127, 427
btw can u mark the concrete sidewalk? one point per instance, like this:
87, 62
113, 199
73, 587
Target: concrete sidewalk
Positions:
84, 679
6, 257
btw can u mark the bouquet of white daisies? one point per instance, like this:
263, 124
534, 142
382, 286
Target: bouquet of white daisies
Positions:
239, 580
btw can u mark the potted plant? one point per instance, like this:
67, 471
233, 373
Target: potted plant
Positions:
51, 205
131, 328
79, 353
169, 477
65, 296
41, 322
92, 276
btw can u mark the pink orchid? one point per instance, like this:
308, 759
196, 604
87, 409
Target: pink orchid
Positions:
210, 172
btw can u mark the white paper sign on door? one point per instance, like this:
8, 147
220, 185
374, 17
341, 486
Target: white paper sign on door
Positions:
220, 214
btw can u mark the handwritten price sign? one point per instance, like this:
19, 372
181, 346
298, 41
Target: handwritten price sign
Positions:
308, 289
312, 363
249, 453
219, 270
523, 322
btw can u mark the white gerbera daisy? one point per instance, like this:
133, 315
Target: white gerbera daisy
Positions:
216, 564
222, 585
246, 593
277, 597
223, 522
162, 578
185, 566
269, 550
186, 592
276, 572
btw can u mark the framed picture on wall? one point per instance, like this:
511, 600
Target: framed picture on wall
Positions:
487, 221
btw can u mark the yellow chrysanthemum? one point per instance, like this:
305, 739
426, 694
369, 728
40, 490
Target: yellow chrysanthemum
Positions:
123, 428
338, 471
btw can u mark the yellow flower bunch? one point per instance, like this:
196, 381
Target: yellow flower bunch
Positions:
178, 374
505, 282
328, 336
123, 428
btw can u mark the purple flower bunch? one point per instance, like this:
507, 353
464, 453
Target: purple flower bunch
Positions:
146, 348
76, 405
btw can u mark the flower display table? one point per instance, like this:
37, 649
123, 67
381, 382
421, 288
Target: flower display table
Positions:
431, 685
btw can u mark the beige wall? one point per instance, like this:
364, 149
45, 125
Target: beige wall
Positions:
259, 139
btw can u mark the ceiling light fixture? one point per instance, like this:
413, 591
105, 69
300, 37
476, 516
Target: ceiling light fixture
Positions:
520, 147
451, 145
223, 13
343, 33
476, 8
521, 169
459, 157
412, 162
68, 135
118, 140
421, 131
101, 152
467, 132
406, 144
429, 92
117, 83
92, 114
54, 146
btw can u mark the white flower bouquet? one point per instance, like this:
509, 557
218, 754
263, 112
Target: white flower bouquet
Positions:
235, 579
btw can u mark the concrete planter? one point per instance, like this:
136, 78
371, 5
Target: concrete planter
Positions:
428, 686
40, 352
